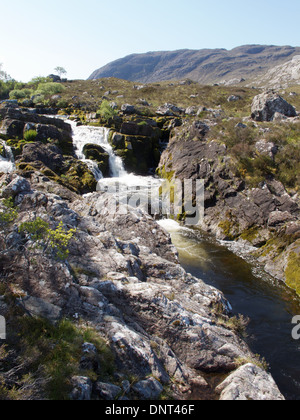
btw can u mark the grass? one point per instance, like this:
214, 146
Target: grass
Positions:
89, 93
52, 355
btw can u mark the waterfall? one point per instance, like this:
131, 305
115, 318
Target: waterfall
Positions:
7, 162
125, 184
84, 135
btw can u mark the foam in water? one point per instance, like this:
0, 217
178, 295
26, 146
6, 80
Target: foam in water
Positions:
7, 163
84, 135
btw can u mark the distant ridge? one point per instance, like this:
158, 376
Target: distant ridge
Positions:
204, 66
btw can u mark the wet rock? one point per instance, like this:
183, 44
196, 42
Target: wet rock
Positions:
50, 155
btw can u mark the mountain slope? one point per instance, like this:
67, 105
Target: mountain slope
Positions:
204, 66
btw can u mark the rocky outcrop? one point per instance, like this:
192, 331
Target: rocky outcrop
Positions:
265, 106
266, 217
123, 278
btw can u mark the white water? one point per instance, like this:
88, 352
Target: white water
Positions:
83, 135
125, 183
7, 163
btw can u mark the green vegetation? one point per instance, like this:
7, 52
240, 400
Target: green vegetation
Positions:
50, 356
30, 135
292, 271
106, 111
39, 90
53, 241
8, 215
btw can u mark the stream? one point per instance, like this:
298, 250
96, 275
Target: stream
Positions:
269, 304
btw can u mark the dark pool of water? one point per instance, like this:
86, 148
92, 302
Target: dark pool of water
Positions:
269, 305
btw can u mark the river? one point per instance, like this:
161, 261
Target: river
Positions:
269, 304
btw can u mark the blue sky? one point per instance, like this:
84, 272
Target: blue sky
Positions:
82, 36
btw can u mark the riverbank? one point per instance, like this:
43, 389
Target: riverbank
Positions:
111, 284
270, 305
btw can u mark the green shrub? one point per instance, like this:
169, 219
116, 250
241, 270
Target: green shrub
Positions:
30, 135
49, 89
20, 93
52, 241
105, 111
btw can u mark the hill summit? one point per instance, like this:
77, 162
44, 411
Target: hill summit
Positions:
205, 66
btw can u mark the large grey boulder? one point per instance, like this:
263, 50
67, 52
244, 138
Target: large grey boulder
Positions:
265, 106
249, 382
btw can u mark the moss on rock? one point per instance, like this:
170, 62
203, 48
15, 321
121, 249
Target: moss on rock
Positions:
292, 271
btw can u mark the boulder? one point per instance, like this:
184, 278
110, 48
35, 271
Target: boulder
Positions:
50, 155
266, 105
17, 186
279, 218
40, 308
107, 391
150, 389
98, 154
82, 388
264, 147
169, 110
128, 109
249, 382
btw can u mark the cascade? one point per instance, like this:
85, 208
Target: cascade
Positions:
84, 135
7, 162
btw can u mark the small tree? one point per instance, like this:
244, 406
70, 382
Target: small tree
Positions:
3, 75
60, 71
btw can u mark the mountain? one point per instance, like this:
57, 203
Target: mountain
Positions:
204, 66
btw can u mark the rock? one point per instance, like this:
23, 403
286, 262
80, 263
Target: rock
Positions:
135, 129
126, 386
99, 155
279, 217
169, 110
192, 110
107, 391
240, 125
149, 389
50, 155
12, 128
266, 148
82, 388
249, 383
199, 129
233, 98
90, 359
17, 186
54, 78
128, 109
41, 308
265, 106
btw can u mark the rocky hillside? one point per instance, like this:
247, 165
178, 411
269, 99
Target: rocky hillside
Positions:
251, 186
97, 305
204, 66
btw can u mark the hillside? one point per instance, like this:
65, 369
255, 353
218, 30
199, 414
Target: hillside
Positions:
204, 66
